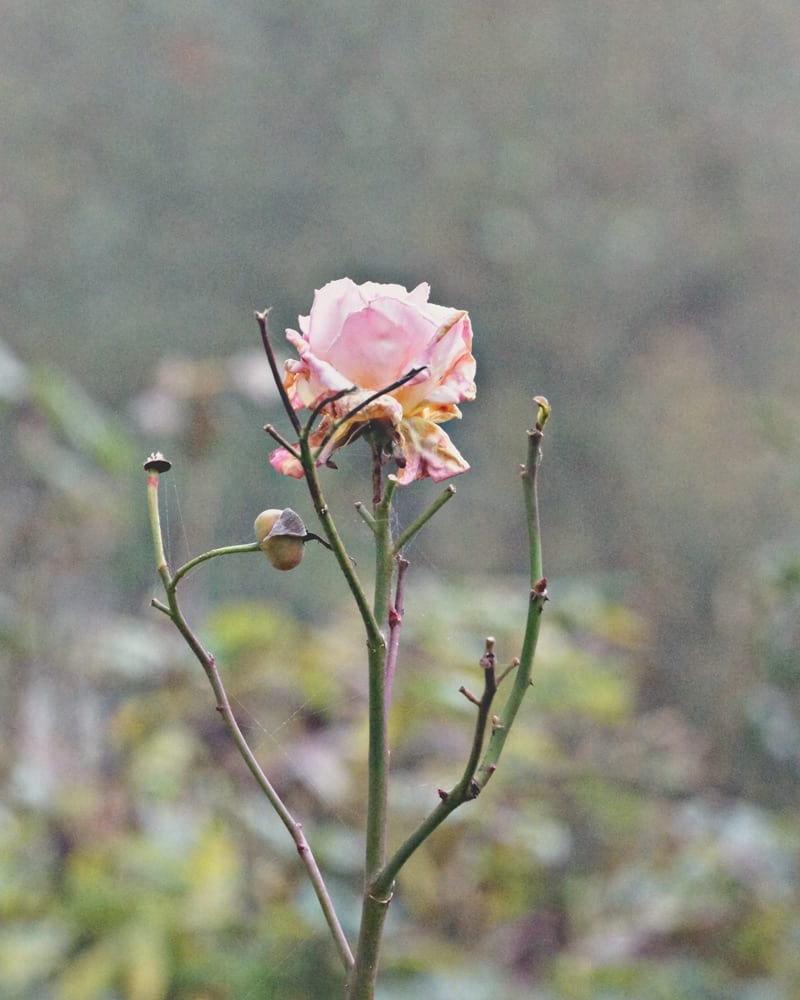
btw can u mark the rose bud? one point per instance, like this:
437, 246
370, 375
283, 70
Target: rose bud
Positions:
280, 535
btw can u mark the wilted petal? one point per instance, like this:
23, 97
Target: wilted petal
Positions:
450, 365
310, 378
382, 410
429, 452
283, 461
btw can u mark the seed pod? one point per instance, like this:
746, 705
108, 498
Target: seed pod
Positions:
265, 522
281, 535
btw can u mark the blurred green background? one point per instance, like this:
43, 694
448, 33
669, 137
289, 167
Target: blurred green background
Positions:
611, 190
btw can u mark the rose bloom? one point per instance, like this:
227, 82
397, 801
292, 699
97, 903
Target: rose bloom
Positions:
366, 337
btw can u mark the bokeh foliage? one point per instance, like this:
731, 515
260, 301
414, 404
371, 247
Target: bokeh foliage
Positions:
611, 190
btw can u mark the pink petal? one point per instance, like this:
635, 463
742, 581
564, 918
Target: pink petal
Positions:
284, 462
451, 366
311, 377
378, 344
333, 303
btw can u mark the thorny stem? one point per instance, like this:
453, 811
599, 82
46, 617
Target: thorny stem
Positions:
376, 906
363, 971
173, 611
378, 744
464, 791
476, 775
538, 598
396, 613
374, 635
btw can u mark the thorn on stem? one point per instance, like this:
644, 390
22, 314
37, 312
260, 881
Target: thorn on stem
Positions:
443, 795
539, 590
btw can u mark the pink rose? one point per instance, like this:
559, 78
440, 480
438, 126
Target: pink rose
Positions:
369, 336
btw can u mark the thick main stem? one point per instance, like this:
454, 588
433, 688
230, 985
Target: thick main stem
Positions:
375, 906
378, 743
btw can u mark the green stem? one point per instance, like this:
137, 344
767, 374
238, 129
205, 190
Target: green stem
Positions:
364, 975
375, 906
378, 743
538, 597
226, 550
365, 515
361, 984
466, 789
374, 636
155, 527
423, 519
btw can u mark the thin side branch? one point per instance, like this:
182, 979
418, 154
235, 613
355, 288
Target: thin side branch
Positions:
206, 660
261, 317
423, 519
227, 550
277, 436
536, 603
339, 422
365, 515
464, 791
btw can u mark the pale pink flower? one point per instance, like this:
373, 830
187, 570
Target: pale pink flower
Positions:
367, 337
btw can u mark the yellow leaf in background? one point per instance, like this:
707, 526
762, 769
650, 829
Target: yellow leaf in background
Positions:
91, 973
147, 966
213, 870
